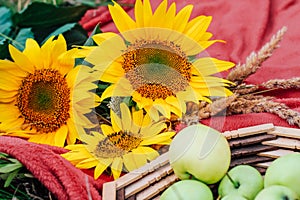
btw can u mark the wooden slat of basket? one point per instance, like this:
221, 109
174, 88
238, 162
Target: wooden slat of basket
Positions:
276, 153
263, 164
250, 150
286, 132
255, 129
249, 160
249, 131
284, 142
147, 180
250, 140
157, 188
139, 173
109, 191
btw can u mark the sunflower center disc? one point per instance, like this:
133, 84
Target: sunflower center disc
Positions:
156, 69
117, 144
44, 100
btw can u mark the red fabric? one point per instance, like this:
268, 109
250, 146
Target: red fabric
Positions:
246, 25
53, 171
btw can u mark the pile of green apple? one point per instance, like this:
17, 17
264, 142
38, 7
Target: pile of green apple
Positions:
200, 156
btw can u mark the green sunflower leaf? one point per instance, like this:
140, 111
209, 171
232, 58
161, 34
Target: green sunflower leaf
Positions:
76, 36
90, 41
5, 22
6, 25
21, 38
60, 30
10, 167
10, 177
42, 15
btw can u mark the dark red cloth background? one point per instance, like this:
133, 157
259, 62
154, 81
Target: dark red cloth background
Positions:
246, 25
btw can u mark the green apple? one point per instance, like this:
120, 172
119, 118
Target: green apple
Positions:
200, 152
234, 196
244, 179
285, 171
187, 189
277, 192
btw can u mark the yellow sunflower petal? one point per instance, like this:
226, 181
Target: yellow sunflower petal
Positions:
197, 27
121, 89
88, 163
181, 19
170, 15
21, 60
138, 13
61, 136
107, 130
107, 52
65, 61
147, 13
175, 105
33, 51
137, 117
17, 133
134, 161
161, 138
8, 111
153, 129
125, 117
113, 73
146, 120
60, 47
159, 14
117, 13
116, 167
153, 112
101, 166
76, 147
99, 38
208, 66
46, 138
115, 121
12, 124
148, 152
162, 107
9, 84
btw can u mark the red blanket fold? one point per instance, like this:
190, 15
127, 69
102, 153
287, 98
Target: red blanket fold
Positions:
245, 25
57, 174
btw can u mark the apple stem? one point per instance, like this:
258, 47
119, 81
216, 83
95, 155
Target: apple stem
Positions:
235, 184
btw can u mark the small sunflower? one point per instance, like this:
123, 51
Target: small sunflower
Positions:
124, 145
152, 59
42, 96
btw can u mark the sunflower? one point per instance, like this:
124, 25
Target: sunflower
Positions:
154, 60
42, 98
124, 145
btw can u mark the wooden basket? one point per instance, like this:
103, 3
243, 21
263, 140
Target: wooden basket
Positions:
257, 146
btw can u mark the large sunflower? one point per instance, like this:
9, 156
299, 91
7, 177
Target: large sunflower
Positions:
154, 60
124, 145
42, 98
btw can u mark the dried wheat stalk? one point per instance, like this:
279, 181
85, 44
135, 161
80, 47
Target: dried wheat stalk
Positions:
293, 83
283, 111
247, 104
114, 104
259, 104
254, 60
244, 89
203, 110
